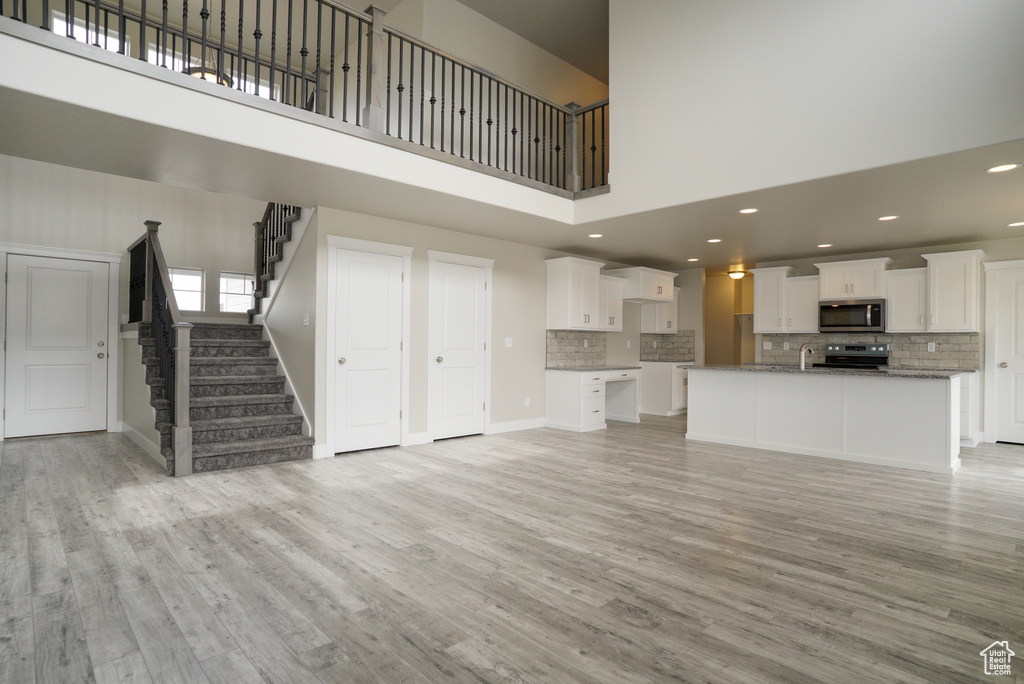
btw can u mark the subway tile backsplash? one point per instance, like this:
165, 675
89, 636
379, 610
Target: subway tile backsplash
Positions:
566, 349
906, 350
677, 348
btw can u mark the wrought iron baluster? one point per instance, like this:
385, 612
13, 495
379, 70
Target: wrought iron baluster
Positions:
593, 149
490, 119
471, 75
442, 102
330, 94
223, 38
401, 84
273, 46
433, 94
387, 113
121, 28
412, 86
505, 136
285, 94
257, 34
344, 76
359, 67
515, 131
423, 89
462, 117
304, 52
319, 33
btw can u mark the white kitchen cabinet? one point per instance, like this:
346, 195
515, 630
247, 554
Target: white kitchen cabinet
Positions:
860, 279
663, 387
953, 291
770, 299
581, 401
802, 304
906, 298
574, 294
660, 317
645, 284
969, 410
611, 303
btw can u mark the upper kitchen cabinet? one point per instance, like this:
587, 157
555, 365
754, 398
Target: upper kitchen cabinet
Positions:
953, 287
906, 298
802, 304
770, 299
660, 317
645, 284
861, 279
574, 294
610, 303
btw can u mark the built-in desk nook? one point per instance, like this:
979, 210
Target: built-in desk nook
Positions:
582, 399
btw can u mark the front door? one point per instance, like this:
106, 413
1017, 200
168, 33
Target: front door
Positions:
56, 361
458, 354
1009, 356
367, 359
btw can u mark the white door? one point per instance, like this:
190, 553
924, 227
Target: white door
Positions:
458, 360
367, 358
1009, 356
56, 362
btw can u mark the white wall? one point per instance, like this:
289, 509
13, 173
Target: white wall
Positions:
519, 299
757, 94
455, 28
691, 307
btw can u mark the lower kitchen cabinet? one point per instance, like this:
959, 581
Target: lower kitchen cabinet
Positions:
581, 401
663, 387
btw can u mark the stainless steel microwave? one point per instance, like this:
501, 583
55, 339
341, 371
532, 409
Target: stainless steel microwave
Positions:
858, 315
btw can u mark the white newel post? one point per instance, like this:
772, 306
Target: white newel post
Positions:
572, 145
376, 80
182, 427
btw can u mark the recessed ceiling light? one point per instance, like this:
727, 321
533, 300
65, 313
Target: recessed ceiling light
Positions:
693, 259
887, 218
824, 246
595, 235
1002, 167
751, 210
714, 240
1015, 225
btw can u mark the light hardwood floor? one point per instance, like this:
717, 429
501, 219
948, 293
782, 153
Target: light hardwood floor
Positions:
625, 555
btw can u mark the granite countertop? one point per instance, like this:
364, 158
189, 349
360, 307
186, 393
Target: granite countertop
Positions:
689, 362
591, 369
922, 373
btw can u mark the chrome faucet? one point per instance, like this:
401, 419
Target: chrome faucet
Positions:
805, 349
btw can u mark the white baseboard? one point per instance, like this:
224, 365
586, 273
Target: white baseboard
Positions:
320, 451
415, 438
515, 426
143, 443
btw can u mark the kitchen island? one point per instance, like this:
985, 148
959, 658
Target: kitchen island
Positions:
898, 417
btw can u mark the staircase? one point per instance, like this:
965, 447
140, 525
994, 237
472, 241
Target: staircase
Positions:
272, 233
239, 412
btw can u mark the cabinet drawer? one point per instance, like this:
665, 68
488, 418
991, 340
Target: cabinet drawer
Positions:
592, 390
622, 374
596, 378
593, 411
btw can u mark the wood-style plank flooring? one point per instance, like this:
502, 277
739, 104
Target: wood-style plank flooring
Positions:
620, 556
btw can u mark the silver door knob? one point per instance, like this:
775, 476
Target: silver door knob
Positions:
101, 355
341, 361
1004, 365
100, 343
439, 359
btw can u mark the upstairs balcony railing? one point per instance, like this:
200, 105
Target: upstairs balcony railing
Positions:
323, 57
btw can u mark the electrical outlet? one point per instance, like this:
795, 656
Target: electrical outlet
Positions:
527, 401
785, 346
508, 341
305, 320
766, 345
931, 346
627, 344
654, 344
586, 343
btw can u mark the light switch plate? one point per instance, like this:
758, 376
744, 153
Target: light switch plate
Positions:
508, 341
785, 346
766, 345
305, 320
586, 343
931, 346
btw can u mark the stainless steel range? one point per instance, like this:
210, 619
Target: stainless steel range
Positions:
862, 356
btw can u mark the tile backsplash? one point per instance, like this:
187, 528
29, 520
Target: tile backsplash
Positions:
566, 349
910, 350
678, 347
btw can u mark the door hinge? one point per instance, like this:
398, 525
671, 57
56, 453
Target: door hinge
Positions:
485, 284
401, 346
485, 346
485, 406
403, 276
399, 414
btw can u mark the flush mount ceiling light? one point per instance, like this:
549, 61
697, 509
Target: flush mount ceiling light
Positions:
824, 246
595, 235
714, 240
1015, 225
887, 218
736, 275
751, 210
1002, 167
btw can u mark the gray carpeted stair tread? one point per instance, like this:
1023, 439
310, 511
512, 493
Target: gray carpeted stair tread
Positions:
250, 446
246, 421
231, 400
236, 379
